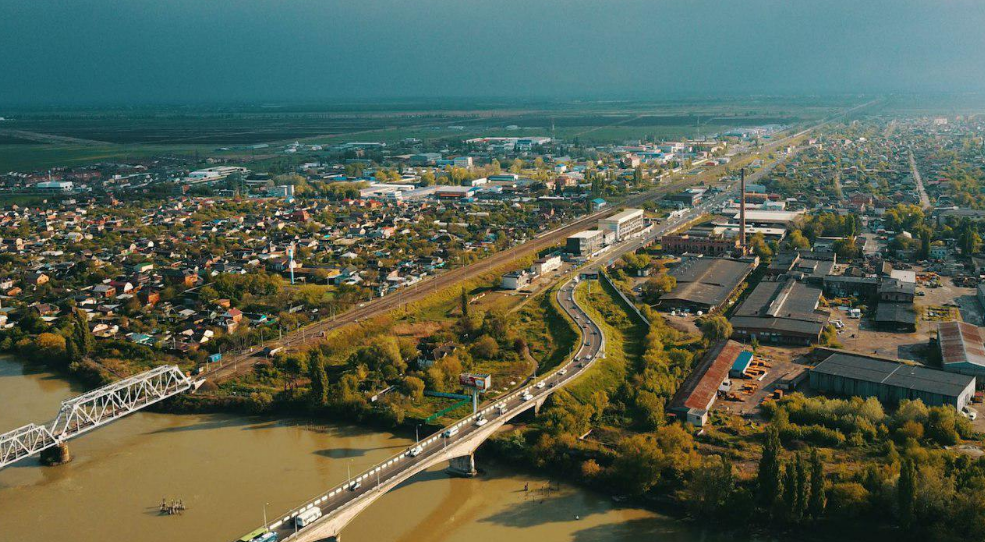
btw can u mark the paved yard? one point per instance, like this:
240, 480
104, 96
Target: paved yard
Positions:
780, 363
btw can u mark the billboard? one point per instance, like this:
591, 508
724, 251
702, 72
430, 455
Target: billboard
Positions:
479, 382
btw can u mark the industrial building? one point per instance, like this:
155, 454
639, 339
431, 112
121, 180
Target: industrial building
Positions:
783, 311
700, 389
542, 266
961, 347
708, 245
585, 243
890, 382
704, 284
811, 267
688, 198
514, 280
623, 224
767, 219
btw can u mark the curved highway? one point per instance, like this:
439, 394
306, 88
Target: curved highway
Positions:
436, 448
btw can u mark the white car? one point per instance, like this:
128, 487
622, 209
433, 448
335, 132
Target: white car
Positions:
415, 451
526, 396
540, 385
562, 372
969, 413
481, 421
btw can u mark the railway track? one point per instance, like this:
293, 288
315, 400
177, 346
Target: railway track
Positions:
242, 362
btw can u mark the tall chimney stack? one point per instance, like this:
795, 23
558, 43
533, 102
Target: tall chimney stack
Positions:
742, 210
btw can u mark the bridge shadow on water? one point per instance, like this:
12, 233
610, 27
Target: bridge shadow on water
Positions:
343, 453
210, 422
642, 530
540, 507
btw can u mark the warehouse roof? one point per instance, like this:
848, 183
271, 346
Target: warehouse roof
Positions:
784, 306
960, 342
901, 313
707, 281
894, 374
700, 388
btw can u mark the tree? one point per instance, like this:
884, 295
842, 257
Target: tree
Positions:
716, 328
319, 382
769, 477
817, 501
803, 487
796, 240
657, 286
485, 347
790, 491
846, 248
414, 388
969, 240
710, 489
296, 364
906, 493
463, 300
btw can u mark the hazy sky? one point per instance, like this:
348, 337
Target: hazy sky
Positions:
135, 51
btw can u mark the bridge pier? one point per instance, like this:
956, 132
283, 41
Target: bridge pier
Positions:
56, 455
463, 465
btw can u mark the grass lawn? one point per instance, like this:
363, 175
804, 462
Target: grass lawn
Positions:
623, 338
550, 335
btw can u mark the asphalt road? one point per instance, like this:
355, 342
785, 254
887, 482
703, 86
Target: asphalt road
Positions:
592, 344
241, 362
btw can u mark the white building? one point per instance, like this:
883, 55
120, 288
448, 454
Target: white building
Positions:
514, 280
545, 265
623, 224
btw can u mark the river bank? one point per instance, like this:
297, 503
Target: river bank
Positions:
225, 468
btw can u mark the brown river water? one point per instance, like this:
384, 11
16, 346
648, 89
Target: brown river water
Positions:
226, 468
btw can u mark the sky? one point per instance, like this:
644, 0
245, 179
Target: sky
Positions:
56, 52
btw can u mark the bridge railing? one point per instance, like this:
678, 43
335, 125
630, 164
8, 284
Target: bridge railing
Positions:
425, 444
94, 409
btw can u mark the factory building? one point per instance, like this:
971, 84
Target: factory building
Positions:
961, 348
890, 382
700, 389
585, 243
705, 284
783, 311
623, 224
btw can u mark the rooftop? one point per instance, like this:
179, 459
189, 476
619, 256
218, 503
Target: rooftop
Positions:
894, 374
960, 342
707, 281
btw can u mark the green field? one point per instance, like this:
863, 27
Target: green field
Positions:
36, 140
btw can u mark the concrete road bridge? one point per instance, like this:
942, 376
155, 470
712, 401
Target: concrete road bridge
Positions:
94, 409
331, 511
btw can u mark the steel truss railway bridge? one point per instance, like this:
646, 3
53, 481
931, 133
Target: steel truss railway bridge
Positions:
94, 409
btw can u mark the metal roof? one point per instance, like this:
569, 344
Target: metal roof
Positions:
707, 281
960, 342
894, 374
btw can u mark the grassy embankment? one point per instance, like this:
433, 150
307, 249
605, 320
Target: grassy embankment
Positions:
623, 340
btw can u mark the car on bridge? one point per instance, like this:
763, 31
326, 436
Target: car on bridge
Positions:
450, 432
415, 451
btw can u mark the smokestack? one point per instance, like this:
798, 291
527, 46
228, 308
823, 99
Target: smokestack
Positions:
742, 210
